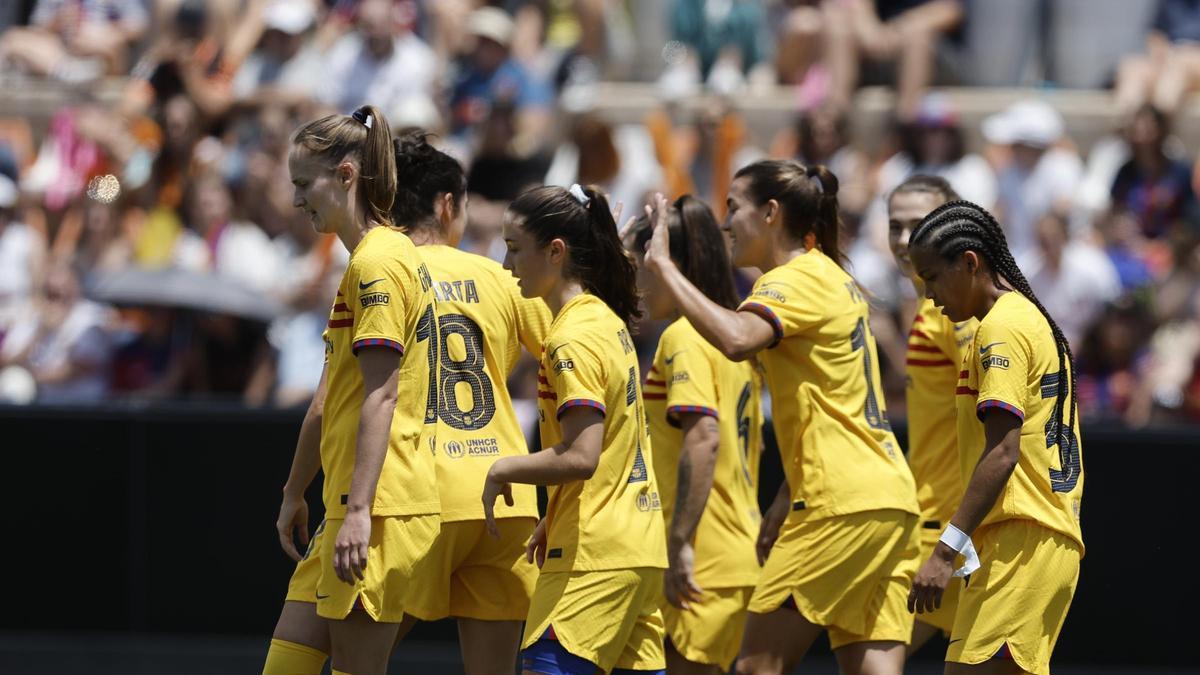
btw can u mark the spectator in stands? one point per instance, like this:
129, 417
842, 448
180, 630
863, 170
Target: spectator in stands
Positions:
1038, 176
75, 40
1112, 360
1073, 279
287, 65
216, 241
1170, 68
491, 77
906, 32
22, 251
620, 160
61, 340
382, 61
821, 135
497, 175
188, 57
1153, 187
725, 38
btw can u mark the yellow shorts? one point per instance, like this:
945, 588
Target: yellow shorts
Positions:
303, 585
710, 630
397, 544
468, 573
1019, 597
849, 573
942, 617
610, 617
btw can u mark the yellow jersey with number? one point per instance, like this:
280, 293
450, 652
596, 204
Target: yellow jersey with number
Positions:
936, 348
837, 447
690, 376
612, 520
1013, 366
383, 297
482, 323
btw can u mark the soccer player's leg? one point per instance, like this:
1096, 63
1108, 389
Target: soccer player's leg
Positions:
583, 621
489, 593
704, 638
877, 646
300, 643
365, 616
1012, 609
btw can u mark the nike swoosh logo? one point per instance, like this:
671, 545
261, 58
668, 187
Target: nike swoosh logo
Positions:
953, 641
555, 350
363, 287
671, 358
321, 597
983, 349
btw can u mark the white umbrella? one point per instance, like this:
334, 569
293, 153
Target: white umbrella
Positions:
170, 287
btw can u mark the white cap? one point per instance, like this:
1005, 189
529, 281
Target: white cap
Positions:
289, 16
492, 23
1030, 122
415, 110
8, 192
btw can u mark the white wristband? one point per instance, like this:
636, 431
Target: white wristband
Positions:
962, 544
954, 538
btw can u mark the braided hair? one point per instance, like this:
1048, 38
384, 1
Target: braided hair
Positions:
959, 226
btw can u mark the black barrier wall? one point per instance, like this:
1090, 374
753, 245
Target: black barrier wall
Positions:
161, 519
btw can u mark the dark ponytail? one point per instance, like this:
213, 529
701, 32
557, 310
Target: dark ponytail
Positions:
594, 252
807, 195
365, 136
423, 175
959, 226
697, 247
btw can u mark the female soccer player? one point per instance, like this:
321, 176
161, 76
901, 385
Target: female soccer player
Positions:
936, 347
381, 499
601, 545
846, 552
706, 428
1019, 453
482, 322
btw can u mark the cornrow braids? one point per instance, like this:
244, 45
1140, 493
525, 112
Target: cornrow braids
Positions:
959, 226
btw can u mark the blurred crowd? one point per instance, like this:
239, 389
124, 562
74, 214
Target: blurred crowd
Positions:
149, 248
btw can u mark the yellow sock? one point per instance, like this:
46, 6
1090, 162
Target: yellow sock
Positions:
290, 658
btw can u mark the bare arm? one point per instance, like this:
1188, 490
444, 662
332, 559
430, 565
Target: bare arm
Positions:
737, 335
380, 367
1000, 455
575, 458
1001, 451
701, 440
293, 512
697, 461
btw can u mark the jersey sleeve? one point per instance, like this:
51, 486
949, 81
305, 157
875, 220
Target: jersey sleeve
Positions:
778, 298
380, 297
928, 346
1003, 360
688, 376
576, 374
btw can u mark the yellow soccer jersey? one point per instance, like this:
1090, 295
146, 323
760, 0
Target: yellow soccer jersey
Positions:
837, 447
612, 520
936, 347
383, 300
1013, 366
690, 376
482, 323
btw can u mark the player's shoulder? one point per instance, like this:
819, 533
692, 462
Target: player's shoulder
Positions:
682, 335
384, 247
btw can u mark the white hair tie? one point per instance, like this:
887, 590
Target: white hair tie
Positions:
578, 193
